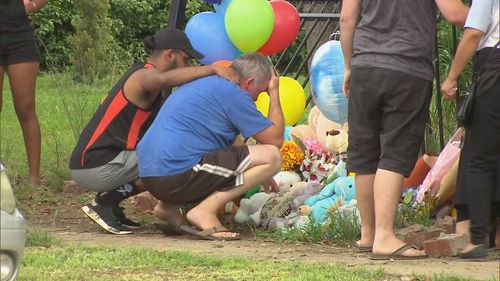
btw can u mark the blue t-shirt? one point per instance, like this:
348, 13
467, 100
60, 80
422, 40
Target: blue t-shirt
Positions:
202, 116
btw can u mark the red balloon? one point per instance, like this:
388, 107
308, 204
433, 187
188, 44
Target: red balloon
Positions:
286, 28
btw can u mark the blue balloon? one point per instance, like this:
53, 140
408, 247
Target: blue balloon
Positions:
207, 34
221, 7
327, 76
286, 135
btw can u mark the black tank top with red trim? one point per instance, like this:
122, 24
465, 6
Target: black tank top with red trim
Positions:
117, 125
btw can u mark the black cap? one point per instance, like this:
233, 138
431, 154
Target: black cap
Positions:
173, 38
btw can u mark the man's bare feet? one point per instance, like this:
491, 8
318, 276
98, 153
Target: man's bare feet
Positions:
170, 214
367, 237
204, 219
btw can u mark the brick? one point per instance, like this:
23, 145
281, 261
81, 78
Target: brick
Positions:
446, 245
416, 234
145, 202
402, 233
447, 223
72, 187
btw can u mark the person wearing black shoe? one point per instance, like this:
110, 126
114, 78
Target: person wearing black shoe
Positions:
104, 159
478, 187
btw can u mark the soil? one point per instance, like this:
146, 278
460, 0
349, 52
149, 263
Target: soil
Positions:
60, 214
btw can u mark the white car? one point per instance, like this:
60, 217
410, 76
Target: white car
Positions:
13, 231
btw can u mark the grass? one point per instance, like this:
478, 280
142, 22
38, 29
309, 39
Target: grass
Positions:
77, 262
37, 237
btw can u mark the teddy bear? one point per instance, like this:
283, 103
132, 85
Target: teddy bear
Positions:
274, 216
316, 128
336, 141
285, 179
332, 196
250, 209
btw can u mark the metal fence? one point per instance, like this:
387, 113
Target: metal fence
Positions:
319, 23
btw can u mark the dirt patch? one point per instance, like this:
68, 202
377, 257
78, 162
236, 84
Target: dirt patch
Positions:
62, 216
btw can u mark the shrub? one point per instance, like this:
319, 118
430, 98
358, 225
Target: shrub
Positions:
93, 45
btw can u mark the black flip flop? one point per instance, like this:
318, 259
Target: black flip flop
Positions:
480, 252
398, 254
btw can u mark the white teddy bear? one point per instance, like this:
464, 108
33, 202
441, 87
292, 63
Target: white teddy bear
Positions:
249, 210
285, 179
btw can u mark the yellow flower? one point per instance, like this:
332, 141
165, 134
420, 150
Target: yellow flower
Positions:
291, 154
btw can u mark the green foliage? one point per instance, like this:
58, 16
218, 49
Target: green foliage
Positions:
53, 30
445, 55
411, 212
131, 21
93, 45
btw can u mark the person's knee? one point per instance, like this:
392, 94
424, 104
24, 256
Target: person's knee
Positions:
274, 158
25, 111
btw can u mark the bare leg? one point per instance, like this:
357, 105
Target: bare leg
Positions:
463, 227
266, 162
170, 214
364, 196
387, 191
22, 79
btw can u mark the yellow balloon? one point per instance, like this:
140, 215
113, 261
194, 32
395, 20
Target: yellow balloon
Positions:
292, 99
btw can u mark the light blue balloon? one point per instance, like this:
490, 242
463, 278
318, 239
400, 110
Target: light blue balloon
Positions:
221, 8
327, 76
286, 135
207, 34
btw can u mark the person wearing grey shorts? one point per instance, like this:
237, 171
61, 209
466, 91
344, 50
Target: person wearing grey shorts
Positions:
104, 159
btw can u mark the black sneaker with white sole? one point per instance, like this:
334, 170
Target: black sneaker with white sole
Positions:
104, 216
120, 215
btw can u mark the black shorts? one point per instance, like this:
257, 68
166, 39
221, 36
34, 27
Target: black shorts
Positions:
17, 44
217, 171
388, 111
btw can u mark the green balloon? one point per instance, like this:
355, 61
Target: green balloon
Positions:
249, 23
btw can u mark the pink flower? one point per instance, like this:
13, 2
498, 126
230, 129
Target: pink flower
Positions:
313, 146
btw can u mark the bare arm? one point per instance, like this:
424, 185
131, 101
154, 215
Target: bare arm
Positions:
453, 11
34, 5
349, 18
153, 81
274, 133
466, 49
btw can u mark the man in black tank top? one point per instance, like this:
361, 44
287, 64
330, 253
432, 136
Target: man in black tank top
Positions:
104, 159
388, 49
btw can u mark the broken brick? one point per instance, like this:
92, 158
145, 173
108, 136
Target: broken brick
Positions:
446, 245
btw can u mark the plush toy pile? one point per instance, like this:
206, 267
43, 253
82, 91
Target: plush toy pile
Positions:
314, 184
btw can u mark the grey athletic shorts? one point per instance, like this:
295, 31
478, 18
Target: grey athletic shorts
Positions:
388, 111
121, 170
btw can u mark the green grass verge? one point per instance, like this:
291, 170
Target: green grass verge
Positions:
77, 262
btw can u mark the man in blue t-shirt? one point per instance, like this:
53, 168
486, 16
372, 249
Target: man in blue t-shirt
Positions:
188, 156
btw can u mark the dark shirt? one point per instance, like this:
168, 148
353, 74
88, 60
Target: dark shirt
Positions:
12, 12
397, 35
117, 125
